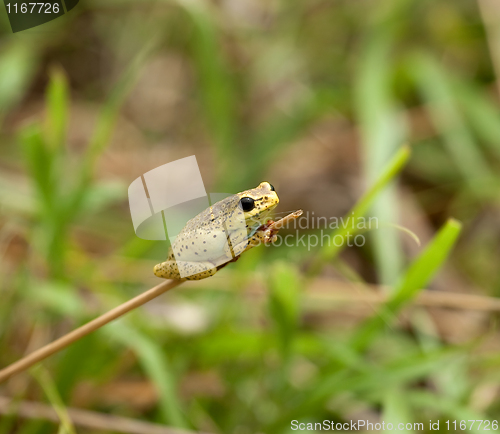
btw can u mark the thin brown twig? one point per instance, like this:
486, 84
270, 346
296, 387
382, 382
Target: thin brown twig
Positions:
374, 294
85, 418
64, 341
53, 347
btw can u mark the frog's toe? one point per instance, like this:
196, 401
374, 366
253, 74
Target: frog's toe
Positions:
167, 270
271, 239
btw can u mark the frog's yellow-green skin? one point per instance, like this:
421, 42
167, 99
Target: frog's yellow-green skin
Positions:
219, 234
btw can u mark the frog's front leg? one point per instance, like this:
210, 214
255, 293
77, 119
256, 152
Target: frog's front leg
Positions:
264, 235
190, 270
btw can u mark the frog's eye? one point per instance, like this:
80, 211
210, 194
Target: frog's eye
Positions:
247, 204
271, 187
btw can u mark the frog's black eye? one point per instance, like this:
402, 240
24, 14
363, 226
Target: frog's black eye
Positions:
247, 204
271, 187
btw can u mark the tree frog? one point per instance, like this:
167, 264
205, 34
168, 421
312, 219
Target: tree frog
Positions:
221, 233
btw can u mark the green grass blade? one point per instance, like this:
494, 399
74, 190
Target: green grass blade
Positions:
435, 85
43, 163
396, 408
57, 101
17, 66
427, 264
48, 386
40, 162
455, 411
156, 367
104, 129
383, 129
378, 379
284, 285
215, 82
415, 279
395, 165
110, 111
481, 112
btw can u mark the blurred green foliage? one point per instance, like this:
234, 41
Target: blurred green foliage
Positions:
257, 82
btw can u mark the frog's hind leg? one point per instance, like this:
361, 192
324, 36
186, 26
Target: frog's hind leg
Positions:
190, 270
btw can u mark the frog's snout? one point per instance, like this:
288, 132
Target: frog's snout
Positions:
269, 191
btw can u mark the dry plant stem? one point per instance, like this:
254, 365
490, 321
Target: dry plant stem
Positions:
64, 341
86, 419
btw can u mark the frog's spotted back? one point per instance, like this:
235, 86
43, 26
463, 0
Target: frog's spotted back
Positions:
219, 234
218, 212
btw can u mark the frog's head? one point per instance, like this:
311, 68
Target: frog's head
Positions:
258, 202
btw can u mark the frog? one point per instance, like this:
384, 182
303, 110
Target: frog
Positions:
220, 234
